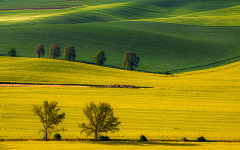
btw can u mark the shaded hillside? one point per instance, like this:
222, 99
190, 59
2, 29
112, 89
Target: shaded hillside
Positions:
166, 35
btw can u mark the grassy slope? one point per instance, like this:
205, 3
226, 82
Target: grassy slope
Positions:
184, 105
24, 4
160, 46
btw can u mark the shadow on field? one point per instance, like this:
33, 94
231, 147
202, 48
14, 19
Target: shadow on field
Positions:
137, 143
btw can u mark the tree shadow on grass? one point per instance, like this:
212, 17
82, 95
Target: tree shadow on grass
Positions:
137, 143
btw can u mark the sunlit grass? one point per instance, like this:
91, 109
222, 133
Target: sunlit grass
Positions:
220, 17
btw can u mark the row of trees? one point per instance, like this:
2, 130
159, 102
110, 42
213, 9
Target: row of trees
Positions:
131, 59
101, 118
54, 52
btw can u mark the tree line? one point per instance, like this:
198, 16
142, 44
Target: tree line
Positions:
131, 59
54, 52
101, 118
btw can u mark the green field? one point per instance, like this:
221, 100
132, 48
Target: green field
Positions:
171, 35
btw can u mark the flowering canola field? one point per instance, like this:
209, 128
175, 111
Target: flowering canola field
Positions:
193, 104
71, 145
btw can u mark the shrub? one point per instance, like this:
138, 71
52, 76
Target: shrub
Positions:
103, 138
143, 138
201, 139
166, 72
12, 52
184, 139
57, 136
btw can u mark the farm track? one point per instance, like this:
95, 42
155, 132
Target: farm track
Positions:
39, 85
66, 85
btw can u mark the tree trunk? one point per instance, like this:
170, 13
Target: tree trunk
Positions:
46, 126
39, 55
54, 55
95, 135
46, 135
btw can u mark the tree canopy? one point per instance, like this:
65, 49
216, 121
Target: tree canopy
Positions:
12, 52
69, 53
54, 51
39, 50
99, 57
131, 60
101, 119
49, 117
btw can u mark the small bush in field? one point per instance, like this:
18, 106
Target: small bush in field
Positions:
57, 136
201, 139
166, 72
103, 138
143, 138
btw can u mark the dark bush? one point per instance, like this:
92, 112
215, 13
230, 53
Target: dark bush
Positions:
184, 139
201, 139
57, 136
143, 138
166, 72
103, 138
12, 52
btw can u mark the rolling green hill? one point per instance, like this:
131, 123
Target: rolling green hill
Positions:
167, 34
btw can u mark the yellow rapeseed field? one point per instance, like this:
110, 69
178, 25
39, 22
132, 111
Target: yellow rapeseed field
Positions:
73, 145
193, 104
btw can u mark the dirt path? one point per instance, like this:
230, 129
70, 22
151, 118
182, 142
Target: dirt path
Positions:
39, 85
67, 85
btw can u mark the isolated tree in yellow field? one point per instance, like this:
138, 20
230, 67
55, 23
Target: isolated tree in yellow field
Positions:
49, 117
131, 60
39, 50
101, 119
54, 51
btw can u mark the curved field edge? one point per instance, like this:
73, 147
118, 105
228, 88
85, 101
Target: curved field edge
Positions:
50, 71
220, 17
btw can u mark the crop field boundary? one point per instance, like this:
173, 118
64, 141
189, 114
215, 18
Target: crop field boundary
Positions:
202, 67
119, 140
66, 85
